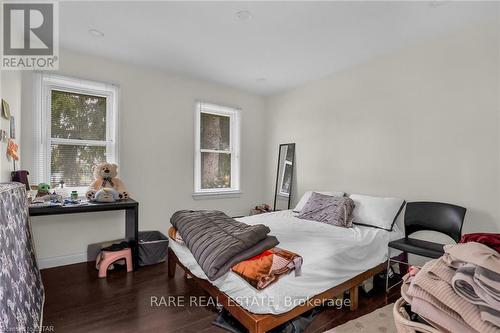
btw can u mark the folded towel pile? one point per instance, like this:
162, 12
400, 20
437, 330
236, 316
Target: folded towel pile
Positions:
459, 292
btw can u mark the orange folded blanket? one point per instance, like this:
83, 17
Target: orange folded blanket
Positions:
174, 235
263, 269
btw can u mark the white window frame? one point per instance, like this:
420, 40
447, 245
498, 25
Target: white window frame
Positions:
234, 149
43, 86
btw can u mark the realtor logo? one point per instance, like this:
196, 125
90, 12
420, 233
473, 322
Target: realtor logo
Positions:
30, 36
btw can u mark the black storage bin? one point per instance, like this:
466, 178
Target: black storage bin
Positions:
153, 247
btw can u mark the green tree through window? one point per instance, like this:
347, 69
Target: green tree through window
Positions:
78, 133
217, 148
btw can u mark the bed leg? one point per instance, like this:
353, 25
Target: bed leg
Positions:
353, 297
171, 262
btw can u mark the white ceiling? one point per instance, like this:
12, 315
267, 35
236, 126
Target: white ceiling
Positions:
287, 43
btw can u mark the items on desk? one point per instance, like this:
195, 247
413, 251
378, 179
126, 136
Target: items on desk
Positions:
40, 203
44, 195
75, 202
52, 197
106, 195
55, 203
47, 197
61, 190
105, 177
42, 190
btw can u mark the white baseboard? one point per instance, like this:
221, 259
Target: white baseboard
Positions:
61, 260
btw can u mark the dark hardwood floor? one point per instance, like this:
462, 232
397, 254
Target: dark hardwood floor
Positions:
77, 301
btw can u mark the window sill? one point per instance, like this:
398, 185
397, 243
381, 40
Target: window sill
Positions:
216, 195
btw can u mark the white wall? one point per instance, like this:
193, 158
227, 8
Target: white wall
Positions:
157, 142
421, 124
10, 91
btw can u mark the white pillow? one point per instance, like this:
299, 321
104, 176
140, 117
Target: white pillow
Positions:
302, 202
376, 211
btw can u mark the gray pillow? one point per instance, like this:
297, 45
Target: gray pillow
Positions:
328, 209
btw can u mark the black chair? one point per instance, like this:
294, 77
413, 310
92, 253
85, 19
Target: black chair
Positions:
434, 216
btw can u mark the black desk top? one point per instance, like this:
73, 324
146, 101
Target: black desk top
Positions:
91, 207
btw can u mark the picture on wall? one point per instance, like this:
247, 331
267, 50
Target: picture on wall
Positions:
12, 128
5, 109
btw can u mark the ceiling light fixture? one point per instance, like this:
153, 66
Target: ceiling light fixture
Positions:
244, 15
96, 33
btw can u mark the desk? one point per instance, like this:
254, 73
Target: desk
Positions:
130, 206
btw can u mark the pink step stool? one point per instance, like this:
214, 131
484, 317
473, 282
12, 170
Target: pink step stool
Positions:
106, 258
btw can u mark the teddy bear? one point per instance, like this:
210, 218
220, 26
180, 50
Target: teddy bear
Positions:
105, 177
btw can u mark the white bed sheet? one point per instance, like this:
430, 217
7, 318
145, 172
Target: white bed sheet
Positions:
331, 255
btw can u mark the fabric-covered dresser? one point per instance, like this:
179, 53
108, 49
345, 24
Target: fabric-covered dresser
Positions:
21, 289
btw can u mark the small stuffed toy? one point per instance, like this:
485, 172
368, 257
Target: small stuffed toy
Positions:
105, 177
43, 190
106, 195
43, 194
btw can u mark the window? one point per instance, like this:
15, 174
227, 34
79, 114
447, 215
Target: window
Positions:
76, 128
217, 146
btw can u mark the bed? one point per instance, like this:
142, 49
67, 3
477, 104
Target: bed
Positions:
335, 259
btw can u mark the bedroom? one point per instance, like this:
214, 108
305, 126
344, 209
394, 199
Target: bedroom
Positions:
392, 100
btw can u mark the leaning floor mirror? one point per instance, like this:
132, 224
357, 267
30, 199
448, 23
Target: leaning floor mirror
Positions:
284, 178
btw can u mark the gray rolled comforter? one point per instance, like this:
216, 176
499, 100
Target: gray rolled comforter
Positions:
219, 242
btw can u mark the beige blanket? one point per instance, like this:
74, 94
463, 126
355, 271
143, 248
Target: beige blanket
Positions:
438, 302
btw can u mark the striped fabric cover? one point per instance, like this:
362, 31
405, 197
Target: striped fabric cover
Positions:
21, 288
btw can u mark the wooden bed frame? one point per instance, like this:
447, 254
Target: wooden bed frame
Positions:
260, 323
